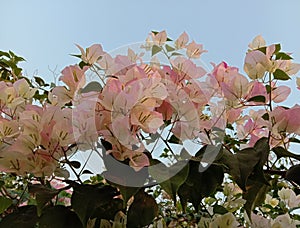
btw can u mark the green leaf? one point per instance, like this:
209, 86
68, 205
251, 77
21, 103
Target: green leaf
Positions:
255, 195
86, 171
43, 195
277, 48
175, 54
265, 116
169, 48
293, 174
2, 53
59, 217
75, 164
269, 88
247, 160
258, 98
39, 81
174, 140
200, 183
83, 64
109, 210
87, 198
263, 49
218, 209
122, 175
77, 56
92, 86
281, 75
142, 211
169, 178
23, 217
283, 153
283, 56
155, 50
294, 140
4, 203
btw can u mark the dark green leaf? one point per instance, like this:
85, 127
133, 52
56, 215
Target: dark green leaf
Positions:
277, 48
169, 48
2, 183
2, 53
43, 195
77, 56
121, 175
201, 182
23, 217
174, 140
247, 160
75, 164
170, 178
258, 98
86, 171
281, 152
39, 81
154, 32
59, 217
263, 49
155, 49
294, 140
283, 56
109, 210
87, 198
268, 88
255, 195
82, 64
92, 86
4, 203
218, 209
281, 75
293, 174
142, 211
265, 116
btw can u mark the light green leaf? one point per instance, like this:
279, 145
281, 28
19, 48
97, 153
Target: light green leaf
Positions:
92, 86
4, 203
169, 48
155, 49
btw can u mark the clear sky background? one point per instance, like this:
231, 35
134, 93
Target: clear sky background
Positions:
45, 32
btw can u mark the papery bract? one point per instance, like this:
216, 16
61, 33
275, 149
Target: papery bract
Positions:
73, 77
91, 54
257, 42
280, 94
256, 64
194, 50
159, 38
182, 40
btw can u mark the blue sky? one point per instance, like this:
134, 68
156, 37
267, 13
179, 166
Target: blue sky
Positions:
44, 32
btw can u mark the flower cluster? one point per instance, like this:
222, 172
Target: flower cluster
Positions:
137, 109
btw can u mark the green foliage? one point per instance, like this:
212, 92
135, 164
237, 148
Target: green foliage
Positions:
87, 199
59, 217
281, 75
4, 203
23, 217
142, 211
